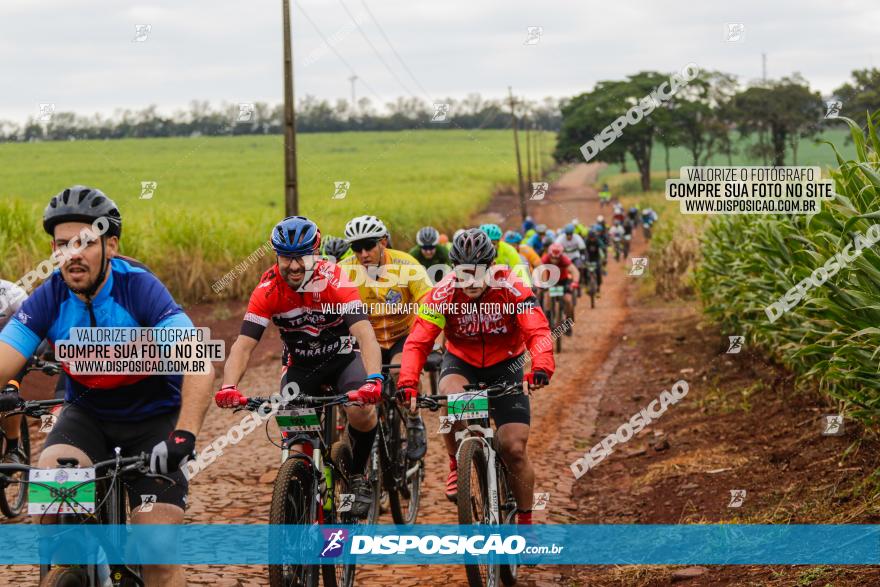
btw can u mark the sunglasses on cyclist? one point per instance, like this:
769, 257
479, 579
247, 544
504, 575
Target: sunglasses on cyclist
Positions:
364, 245
428, 248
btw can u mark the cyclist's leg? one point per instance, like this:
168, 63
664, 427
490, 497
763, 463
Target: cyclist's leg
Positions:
12, 425
362, 426
454, 375
76, 434
152, 500
512, 417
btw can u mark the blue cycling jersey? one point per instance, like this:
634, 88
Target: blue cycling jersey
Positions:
131, 297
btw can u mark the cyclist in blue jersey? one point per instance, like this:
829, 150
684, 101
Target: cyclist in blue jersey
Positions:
159, 415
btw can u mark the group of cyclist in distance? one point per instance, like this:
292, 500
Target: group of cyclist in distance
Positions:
314, 296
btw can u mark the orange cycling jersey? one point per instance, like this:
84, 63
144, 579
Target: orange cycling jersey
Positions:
390, 293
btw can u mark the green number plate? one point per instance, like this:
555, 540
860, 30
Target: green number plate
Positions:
49, 487
556, 291
471, 405
299, 420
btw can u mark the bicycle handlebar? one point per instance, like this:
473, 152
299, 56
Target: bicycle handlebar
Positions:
48, 367
433, 402
35, 408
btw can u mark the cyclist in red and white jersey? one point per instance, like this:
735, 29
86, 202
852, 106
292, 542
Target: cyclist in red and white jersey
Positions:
484, 345
320, 315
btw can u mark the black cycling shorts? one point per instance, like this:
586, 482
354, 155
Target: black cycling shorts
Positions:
504, 410
97, 438
343, 372
397, 347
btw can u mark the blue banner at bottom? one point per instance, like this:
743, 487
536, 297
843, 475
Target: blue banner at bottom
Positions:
200, 544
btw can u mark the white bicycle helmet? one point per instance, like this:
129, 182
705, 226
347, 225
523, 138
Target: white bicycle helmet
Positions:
364, 227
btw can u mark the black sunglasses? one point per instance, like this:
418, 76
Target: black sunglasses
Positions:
429, 248
364, 245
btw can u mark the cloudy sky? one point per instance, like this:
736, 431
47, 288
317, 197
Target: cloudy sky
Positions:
81, 54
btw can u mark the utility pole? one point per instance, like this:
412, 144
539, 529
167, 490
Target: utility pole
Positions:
764, 67
529, 140
291, 197
522, 196
353, 101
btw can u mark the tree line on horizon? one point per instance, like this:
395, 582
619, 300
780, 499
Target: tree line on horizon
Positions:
711, 115
260, 118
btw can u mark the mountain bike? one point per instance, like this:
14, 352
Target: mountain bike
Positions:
556, 312
618, 249
80, 495
312, 486
627, 240
400, 477
484, 492
13, 496
592, 282
646, 229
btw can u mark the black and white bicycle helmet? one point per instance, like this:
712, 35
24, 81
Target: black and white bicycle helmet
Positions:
364, 227
472, 247
428, 237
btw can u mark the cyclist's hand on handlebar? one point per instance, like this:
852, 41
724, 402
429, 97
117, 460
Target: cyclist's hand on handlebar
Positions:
229, 397
368, 393
169, 455
537, 379
409, 396
9, 398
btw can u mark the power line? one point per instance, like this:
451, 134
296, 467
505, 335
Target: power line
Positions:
335, 52
375, 50
393, 50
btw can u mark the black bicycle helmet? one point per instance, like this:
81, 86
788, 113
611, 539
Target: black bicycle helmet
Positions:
472, 247
82, 204
335, 247
427, 237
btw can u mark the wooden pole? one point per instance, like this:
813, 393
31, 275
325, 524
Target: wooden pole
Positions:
291, 196
522, 196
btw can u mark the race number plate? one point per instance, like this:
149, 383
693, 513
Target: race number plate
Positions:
556, 291
471, 405
298, 420
61, 491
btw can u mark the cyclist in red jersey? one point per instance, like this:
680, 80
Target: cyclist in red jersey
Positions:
485, 345
320, 315
569, 276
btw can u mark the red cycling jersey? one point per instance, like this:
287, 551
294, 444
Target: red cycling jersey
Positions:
563, 262
497, 326
314, 320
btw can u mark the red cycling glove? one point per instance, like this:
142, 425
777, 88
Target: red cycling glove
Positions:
368, 393
228, 397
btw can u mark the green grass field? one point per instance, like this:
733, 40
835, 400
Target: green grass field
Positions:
218, 197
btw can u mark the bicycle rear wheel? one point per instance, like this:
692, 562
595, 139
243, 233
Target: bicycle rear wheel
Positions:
14, 495
473, 506
65, 577
593, 288
291, 504
557, 321
404, 493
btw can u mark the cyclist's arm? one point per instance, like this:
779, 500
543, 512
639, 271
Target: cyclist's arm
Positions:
575, 274
428, 324
11, 362
536, 332
238, 359
195, 397
371, 353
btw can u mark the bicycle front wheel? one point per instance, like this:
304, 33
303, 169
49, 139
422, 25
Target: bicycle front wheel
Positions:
474, 506
65, 577
404, 492
14, 495
291, 504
